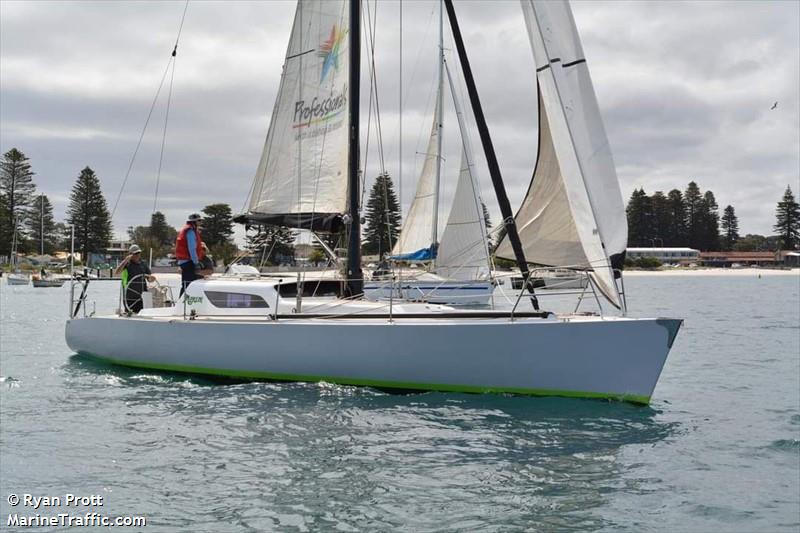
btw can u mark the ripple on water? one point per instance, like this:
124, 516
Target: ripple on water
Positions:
788, 445
200, 454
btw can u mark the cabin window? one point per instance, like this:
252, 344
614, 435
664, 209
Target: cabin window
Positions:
235, 300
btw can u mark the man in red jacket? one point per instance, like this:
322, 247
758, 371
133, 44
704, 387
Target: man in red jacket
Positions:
189, 251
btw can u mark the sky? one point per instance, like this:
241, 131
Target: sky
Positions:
685, 90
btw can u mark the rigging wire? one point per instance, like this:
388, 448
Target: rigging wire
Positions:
375, 101
164, 133
400, 118
150, 112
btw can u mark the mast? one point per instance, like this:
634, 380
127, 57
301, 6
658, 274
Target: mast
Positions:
354, 275
41, 222
435, 225
491, 158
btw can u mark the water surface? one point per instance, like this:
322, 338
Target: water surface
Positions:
718, 449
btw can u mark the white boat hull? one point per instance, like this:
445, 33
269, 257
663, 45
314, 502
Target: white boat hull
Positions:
18, 279
592, 357
437, 292
48, 282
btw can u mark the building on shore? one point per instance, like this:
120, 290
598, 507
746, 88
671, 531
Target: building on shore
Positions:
667, 256
741, 259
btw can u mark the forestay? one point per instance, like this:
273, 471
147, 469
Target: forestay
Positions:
301, 179
573, 213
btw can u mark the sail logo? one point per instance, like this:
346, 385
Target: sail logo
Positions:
319, 109
329, 51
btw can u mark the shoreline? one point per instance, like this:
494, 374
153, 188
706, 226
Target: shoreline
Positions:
728, 272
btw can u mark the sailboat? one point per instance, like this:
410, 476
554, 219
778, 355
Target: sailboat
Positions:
16, 277
44, 279
459, 265
246, 328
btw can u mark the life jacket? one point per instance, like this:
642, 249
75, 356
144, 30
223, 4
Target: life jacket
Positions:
182, 245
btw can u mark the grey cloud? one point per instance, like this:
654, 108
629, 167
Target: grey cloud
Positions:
684, 87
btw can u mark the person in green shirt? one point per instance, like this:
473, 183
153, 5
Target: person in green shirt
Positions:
135, 274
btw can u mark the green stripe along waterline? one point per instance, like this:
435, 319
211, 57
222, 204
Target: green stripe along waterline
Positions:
380, 384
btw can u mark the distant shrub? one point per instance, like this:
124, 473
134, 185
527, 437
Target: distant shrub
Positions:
648, 262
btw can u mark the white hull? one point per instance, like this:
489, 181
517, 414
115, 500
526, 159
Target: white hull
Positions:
48, 282
438, 292
18, 279
578, 356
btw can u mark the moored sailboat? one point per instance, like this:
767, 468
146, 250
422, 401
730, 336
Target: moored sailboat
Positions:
247, 328
459, 266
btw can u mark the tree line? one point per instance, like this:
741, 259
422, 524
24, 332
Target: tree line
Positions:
27, 223
26, 216
691, 219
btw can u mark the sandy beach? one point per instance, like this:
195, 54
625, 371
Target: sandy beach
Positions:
729, 272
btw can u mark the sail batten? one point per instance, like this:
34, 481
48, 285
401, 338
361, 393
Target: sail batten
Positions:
573, 213
301, 180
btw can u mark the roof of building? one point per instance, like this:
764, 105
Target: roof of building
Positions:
739, 256
660, 250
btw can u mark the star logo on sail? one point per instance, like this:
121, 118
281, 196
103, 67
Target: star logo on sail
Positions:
329, 51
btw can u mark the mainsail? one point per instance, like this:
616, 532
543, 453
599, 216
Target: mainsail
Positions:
301, 179
573, 214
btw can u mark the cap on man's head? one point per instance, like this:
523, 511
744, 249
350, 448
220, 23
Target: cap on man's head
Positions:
134, 249
194, 217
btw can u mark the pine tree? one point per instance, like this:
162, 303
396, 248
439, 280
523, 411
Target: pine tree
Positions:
17, 191
271, 244
661, 219
41, 227
709, 222
217, 224
487, 221
63, 236
693, 199
161, 231
157, 239
383, 218
640, 215
787, 221
676, 234
730, 228
88, 212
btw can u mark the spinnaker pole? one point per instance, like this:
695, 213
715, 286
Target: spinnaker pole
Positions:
491, 158
355, 278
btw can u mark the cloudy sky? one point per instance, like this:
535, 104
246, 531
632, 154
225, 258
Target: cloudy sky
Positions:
685, 89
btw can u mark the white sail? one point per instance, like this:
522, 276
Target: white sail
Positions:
415, 241
463, 252
573, 214
301, 179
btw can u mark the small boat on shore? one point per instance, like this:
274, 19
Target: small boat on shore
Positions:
48, 282
18, 278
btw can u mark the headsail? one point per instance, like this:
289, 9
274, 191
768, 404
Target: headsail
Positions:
573, 214
417, 233
463, 252
301, 179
